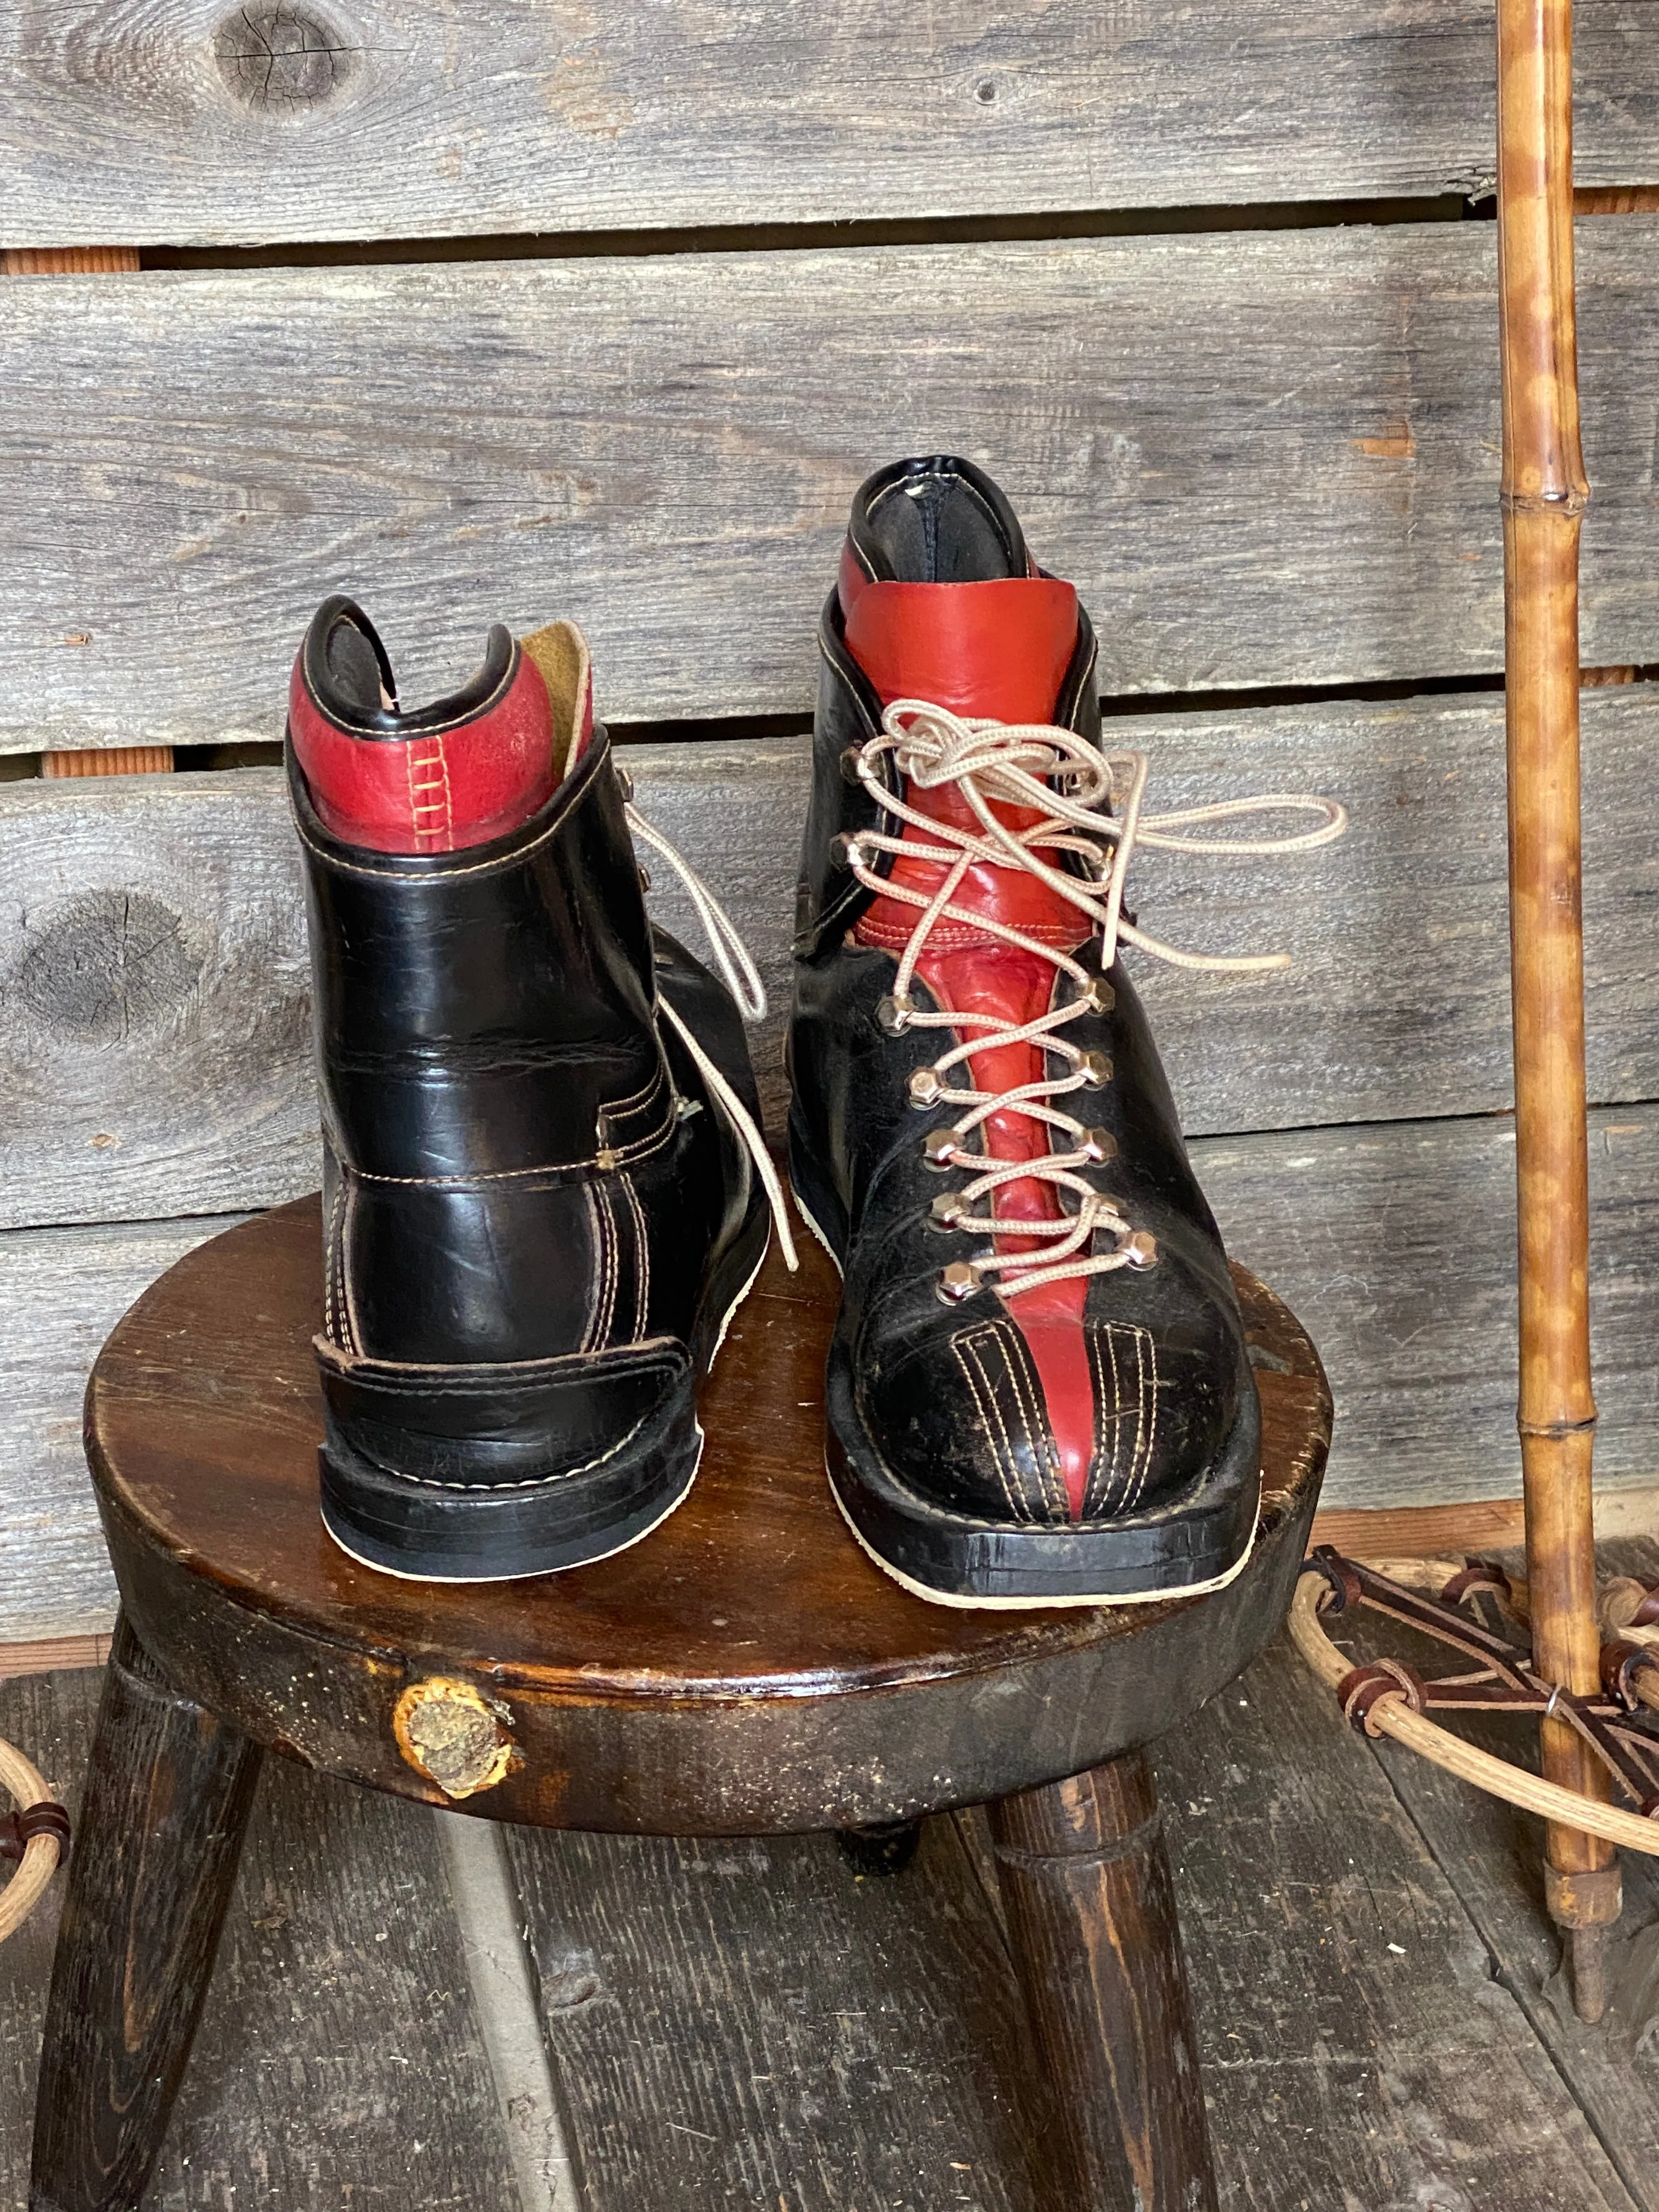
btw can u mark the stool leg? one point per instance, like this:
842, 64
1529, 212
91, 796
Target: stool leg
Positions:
1086, 1882
151, 1867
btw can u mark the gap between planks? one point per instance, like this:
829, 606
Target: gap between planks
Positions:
504, 1996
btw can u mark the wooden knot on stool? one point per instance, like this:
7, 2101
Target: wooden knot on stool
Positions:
455, 1736
1362, 1689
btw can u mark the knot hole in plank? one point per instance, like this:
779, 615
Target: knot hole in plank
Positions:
284, 61
107, 963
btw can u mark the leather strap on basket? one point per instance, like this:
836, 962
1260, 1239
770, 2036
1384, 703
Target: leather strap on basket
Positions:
19, 1830
1619, 1726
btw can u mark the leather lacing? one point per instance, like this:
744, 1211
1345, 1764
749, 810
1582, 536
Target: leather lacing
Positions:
742, 978
1073, 784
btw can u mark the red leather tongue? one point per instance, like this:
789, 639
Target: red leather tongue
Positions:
999, 650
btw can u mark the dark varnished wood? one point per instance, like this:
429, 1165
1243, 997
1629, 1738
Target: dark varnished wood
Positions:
744, 1670
1086, 1887
155, 1851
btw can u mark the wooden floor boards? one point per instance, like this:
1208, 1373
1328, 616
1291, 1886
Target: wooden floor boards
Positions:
751, 2026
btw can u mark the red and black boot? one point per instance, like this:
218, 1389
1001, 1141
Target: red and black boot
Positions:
1039, 1391
543, 1191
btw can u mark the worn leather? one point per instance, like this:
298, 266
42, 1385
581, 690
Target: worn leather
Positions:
529, 1193
460, 772
1107, 1396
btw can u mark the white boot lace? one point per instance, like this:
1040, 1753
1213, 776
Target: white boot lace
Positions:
1071, 784
741, 977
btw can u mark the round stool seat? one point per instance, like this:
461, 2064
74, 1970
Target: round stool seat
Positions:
742, 1670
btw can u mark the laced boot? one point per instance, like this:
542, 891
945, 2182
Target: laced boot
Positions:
545, 1192
1038, 1392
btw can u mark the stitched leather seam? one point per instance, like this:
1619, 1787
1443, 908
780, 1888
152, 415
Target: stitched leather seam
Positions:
474, 868
968, 1348
353, 1330
332, 1266
986, 1407
486, 1377
1108, 1419
1034, 1412
637, 1101
530, 1481
1147, 1385
596, 1270
608, 1266
641, 1149
642, 1258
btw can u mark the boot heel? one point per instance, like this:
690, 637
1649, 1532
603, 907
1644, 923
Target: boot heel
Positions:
496, 1472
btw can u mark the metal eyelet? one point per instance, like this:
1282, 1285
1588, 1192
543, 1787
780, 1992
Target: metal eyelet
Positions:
925, 1087
849, 763
1098, 1145
846, 851
1140, 1249
1100, 998
893, 1016
956, 1282
945, 1211
624, 781
939, 1149
644, 874
1096, 1069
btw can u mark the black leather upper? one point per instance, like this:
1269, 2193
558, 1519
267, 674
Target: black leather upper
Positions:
946, 1396
525, 1175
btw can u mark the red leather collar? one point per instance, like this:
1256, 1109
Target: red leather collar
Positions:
437, 791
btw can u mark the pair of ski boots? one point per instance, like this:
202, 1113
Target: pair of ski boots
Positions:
546, 1188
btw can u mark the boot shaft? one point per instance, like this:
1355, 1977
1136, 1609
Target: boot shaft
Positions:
487, 1011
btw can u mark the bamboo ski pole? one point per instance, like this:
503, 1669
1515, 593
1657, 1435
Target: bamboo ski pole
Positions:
1544, 496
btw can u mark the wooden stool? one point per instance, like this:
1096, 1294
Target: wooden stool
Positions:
745, 1670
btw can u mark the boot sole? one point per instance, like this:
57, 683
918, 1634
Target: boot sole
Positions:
428, 1533
955, 1559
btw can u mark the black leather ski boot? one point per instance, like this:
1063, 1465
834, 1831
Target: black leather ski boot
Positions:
1038, 1392
541, 1198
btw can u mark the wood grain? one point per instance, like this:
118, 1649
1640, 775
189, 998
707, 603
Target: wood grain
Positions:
1491, 1854
1397, 1245
340, 2061
169, 122
48, 1653
1483, 1525
1544, 493
1090, 1907
156, 1022
750, 2024
167, 1801
749, 1671
1408, 2077
1356, 2048
58, 1300
155, 988
1265, 458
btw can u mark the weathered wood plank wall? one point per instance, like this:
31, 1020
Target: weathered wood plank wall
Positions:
663, 448
165, 121
155, 995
